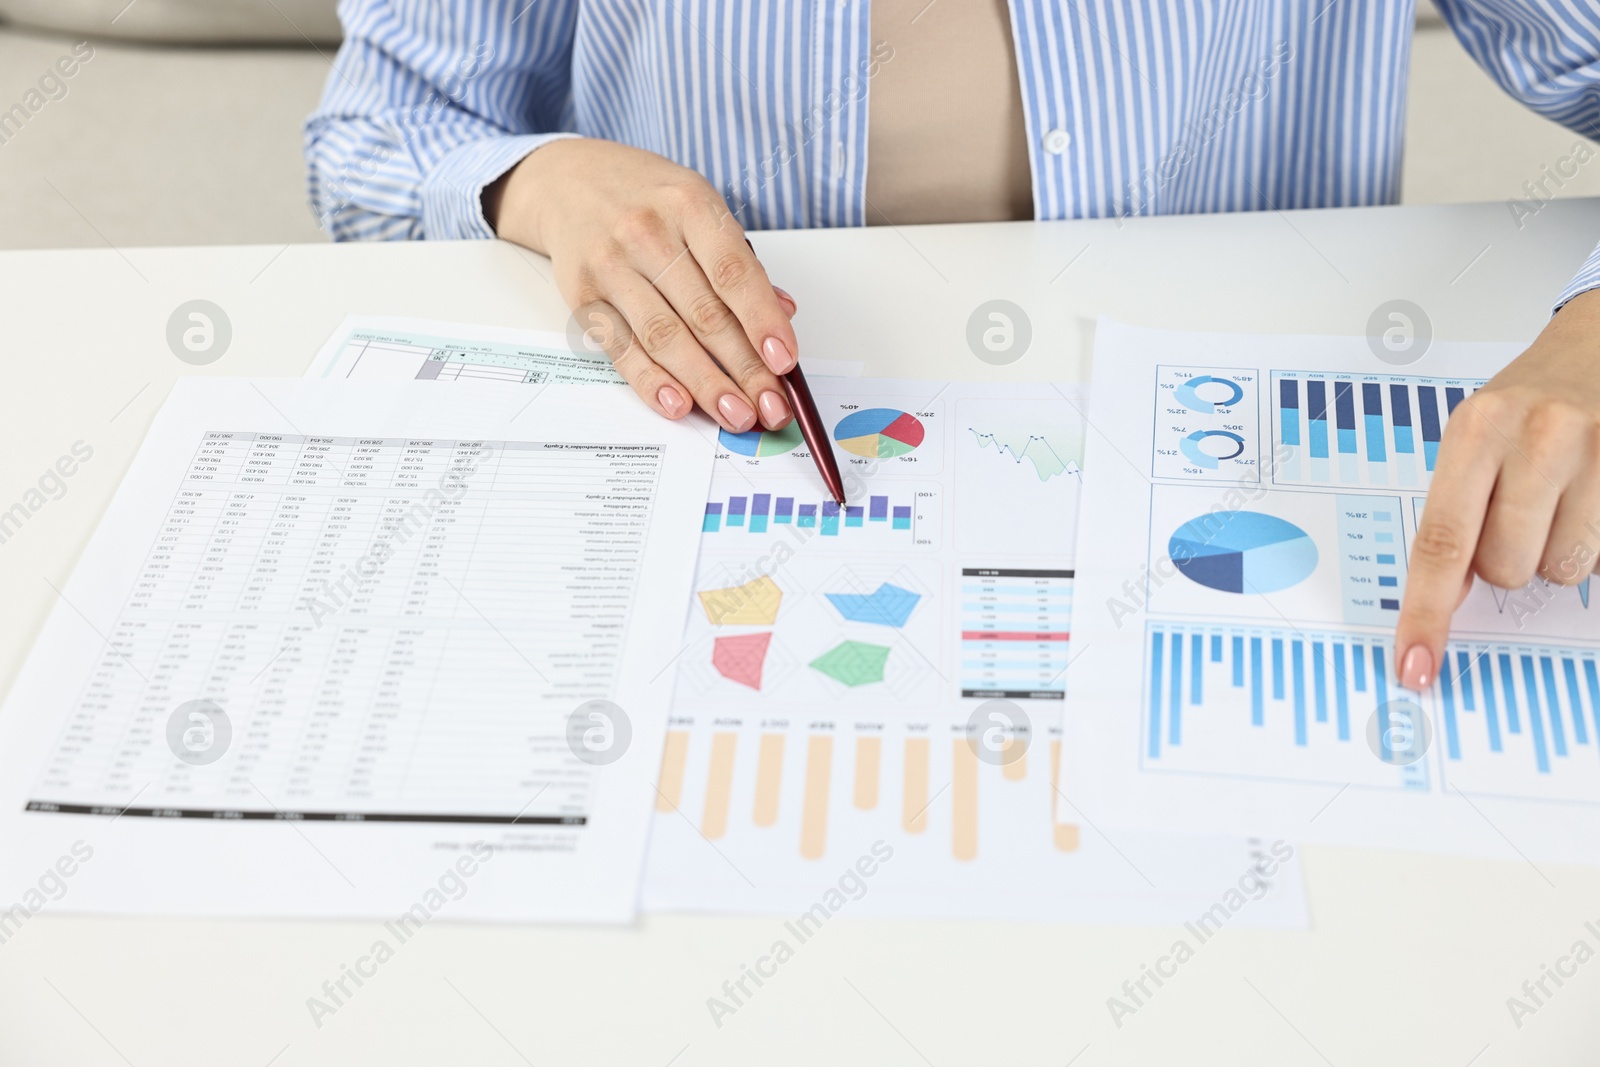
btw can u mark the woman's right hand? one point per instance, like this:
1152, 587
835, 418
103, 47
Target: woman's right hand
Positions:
630, 230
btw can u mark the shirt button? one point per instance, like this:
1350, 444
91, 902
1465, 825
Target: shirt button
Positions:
1056, 141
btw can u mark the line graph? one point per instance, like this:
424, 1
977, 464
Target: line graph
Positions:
1047, 460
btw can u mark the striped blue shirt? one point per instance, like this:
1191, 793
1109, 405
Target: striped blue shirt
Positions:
1133, 107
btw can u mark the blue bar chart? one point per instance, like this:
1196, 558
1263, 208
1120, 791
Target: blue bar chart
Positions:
1521, 720
1269, 703
768, 513
1369, 430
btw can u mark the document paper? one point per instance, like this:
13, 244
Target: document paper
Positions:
370, 348
1254, 503
884, 682
334, 639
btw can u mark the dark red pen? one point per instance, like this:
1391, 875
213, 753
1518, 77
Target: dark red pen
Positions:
811, 428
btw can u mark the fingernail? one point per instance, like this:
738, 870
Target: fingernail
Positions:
1416, 670
671, 400
774, 411
783, 294
737, 413
779, 359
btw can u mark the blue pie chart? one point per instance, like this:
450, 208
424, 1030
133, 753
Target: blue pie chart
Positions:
1243, 552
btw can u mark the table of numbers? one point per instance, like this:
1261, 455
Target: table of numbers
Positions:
382, 622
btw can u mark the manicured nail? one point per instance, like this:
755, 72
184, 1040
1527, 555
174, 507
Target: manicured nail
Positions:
1416, 670
788, 301
671, 401
736, 412
774, 411
779, 359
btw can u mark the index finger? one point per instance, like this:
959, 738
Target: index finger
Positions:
1441, 555
738, 278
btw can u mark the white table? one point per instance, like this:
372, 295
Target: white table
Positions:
1411, 959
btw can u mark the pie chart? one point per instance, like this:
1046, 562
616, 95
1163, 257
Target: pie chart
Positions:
1243, 552
879, 433
760, 443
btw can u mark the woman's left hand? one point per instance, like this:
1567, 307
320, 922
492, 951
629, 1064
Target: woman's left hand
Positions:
1516, 490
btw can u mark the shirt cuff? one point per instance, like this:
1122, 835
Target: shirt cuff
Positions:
452, 193
1588, 278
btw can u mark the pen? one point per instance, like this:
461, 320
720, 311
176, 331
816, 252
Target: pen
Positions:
811, 428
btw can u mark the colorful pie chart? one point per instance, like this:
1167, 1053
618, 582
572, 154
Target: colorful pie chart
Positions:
761, 443
1243, 552
879, 433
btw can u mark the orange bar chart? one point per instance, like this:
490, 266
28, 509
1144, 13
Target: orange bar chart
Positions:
869, 751
963, 800
673, 756
719, 784
814, 813
1066, 834
914, 817
769, 779
920, 793
1014, 767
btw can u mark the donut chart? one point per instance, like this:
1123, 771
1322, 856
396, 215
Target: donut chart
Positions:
1190, 446
1220, 393
879, 433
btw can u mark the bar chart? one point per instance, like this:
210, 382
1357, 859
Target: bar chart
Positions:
904, 517
797, 782
1270, 702
1348, 430
758, 816
1521, 720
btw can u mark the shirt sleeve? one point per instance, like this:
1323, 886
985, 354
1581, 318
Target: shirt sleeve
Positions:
1547, 55
426, 104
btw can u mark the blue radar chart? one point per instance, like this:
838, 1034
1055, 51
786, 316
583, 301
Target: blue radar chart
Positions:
1219, 393
1243, 552
1194, 447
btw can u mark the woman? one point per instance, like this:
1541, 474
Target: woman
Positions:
633, 141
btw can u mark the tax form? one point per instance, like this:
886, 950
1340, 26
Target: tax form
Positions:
352, 649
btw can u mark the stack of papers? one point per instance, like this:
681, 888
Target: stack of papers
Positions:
458, 602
